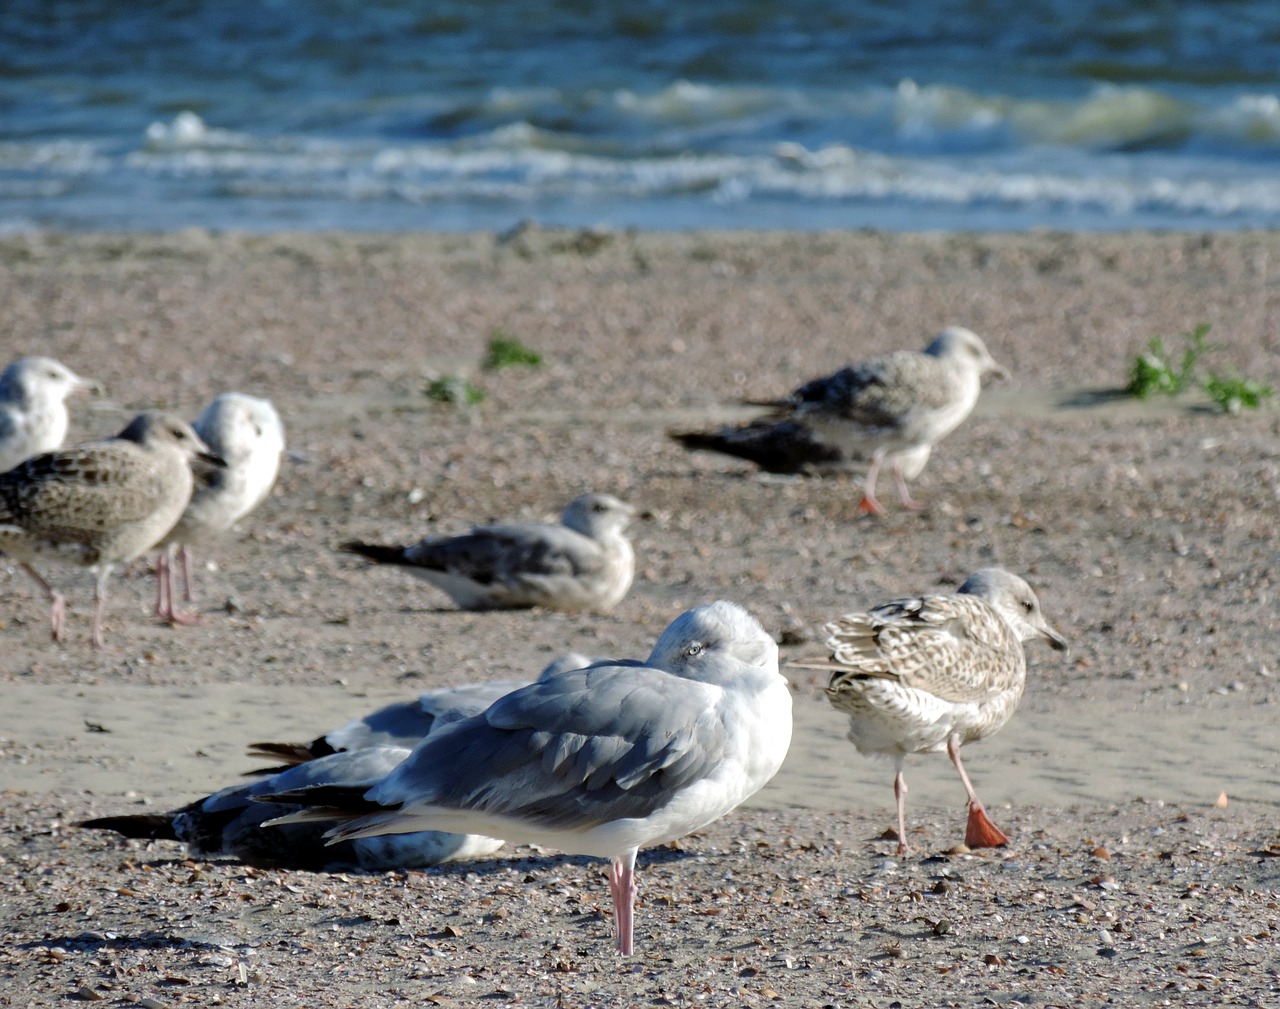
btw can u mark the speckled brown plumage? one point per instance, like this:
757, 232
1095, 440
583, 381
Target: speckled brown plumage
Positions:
932, 673
101, 503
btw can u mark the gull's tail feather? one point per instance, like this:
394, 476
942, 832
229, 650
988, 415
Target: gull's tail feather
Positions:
146, 826
382, 553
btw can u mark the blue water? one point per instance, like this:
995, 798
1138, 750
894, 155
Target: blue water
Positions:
903, 114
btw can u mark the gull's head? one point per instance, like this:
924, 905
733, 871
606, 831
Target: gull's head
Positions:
156, 430
1014, 600
597, 515
241, 428
955, 343
704, 639
32, 380
566, 663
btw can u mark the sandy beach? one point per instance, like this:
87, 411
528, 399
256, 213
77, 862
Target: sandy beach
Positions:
1139, 781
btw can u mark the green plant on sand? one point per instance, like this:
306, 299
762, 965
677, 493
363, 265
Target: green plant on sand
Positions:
505, 351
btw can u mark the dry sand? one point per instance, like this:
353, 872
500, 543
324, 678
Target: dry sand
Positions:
1149, 530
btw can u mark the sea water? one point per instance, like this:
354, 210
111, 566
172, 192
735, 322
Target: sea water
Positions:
761, 114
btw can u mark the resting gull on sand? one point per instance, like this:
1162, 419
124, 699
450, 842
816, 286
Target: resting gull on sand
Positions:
246, 433
358, 755
33, 407
598, 761
584, 563
932, 673
101, 503
229, 823
888, 409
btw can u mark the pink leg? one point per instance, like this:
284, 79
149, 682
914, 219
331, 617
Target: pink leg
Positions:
904, 495
188, 585
99, 604
622, 885
980, 831
162, 582
57, 602
869, 504
900, 793
164, 591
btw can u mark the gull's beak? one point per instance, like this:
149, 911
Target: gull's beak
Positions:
998, 372
1056, 641
91, 385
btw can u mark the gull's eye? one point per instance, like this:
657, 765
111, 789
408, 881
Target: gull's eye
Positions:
696, 648
1028, 605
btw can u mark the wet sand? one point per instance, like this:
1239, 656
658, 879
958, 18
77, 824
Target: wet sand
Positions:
1149, 531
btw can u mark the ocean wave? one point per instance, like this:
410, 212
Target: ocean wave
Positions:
1103, 155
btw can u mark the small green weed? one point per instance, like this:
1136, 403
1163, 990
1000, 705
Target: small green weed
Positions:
1154, 373
1235, 392
507, 352
454, 391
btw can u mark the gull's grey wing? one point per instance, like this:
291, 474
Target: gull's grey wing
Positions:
233, 823
508, 554
353, 768
879, 392
585, 747
402, 723
407, 723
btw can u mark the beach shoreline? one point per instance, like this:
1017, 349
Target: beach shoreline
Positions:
1149, 530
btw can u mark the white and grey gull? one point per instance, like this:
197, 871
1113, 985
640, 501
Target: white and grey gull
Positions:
598, 761
584, 563
889, 409
247, 434
230, 823
33, 407
932, 673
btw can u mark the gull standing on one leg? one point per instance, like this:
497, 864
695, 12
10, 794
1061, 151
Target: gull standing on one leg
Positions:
932, 673
597, 761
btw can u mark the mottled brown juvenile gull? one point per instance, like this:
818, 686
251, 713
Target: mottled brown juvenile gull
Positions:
932, 673
598, 761
584, 563
33, 407
246, 433
888, 409
101, 503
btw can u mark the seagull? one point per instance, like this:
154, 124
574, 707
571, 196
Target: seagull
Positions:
888, 409
246, 433
101, 503
33, 407
406, 723
598, 761
932, 673
230, 823
584, 563
357, 756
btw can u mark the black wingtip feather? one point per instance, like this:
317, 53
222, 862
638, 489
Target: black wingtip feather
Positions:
379, 552
147, 826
